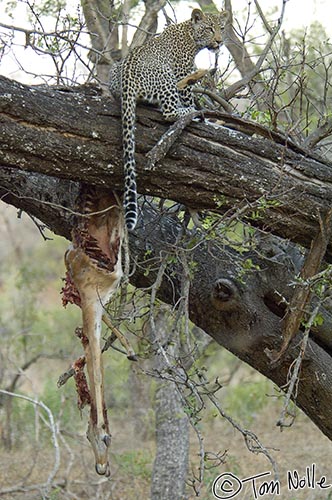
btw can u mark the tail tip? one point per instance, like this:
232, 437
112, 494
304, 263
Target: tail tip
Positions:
131, 222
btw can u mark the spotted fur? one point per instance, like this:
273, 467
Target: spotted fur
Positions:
151, 73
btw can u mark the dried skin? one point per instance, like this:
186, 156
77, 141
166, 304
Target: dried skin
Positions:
93, 272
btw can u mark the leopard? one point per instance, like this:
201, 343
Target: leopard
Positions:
150, 73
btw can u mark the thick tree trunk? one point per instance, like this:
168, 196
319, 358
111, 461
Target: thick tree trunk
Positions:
77, 136
51, 139
170, 467
172, 436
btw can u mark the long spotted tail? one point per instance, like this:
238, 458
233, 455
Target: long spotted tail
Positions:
130, 194
128, 132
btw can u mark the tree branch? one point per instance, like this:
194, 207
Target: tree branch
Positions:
77, 137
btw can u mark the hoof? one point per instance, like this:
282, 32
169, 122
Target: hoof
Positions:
103, 469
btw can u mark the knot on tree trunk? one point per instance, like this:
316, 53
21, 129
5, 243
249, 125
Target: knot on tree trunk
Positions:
225, 295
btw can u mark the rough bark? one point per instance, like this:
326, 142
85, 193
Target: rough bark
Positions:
76, 136
103, 34
149, 22
243, 315
50, 140
172, 425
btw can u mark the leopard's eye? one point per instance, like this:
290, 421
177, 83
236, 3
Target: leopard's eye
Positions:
212, 30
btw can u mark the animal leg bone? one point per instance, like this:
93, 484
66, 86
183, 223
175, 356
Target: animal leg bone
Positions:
125, 342
95, 289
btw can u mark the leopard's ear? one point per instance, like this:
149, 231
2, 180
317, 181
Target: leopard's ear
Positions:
224, 17
197, 15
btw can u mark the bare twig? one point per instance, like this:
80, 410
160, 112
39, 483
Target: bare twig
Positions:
253, 443
130, 353
263, 18
123, 340
242, 58
45, 487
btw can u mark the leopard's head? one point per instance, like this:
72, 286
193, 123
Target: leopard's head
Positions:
208, 28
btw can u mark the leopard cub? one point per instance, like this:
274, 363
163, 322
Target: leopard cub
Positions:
150, 73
